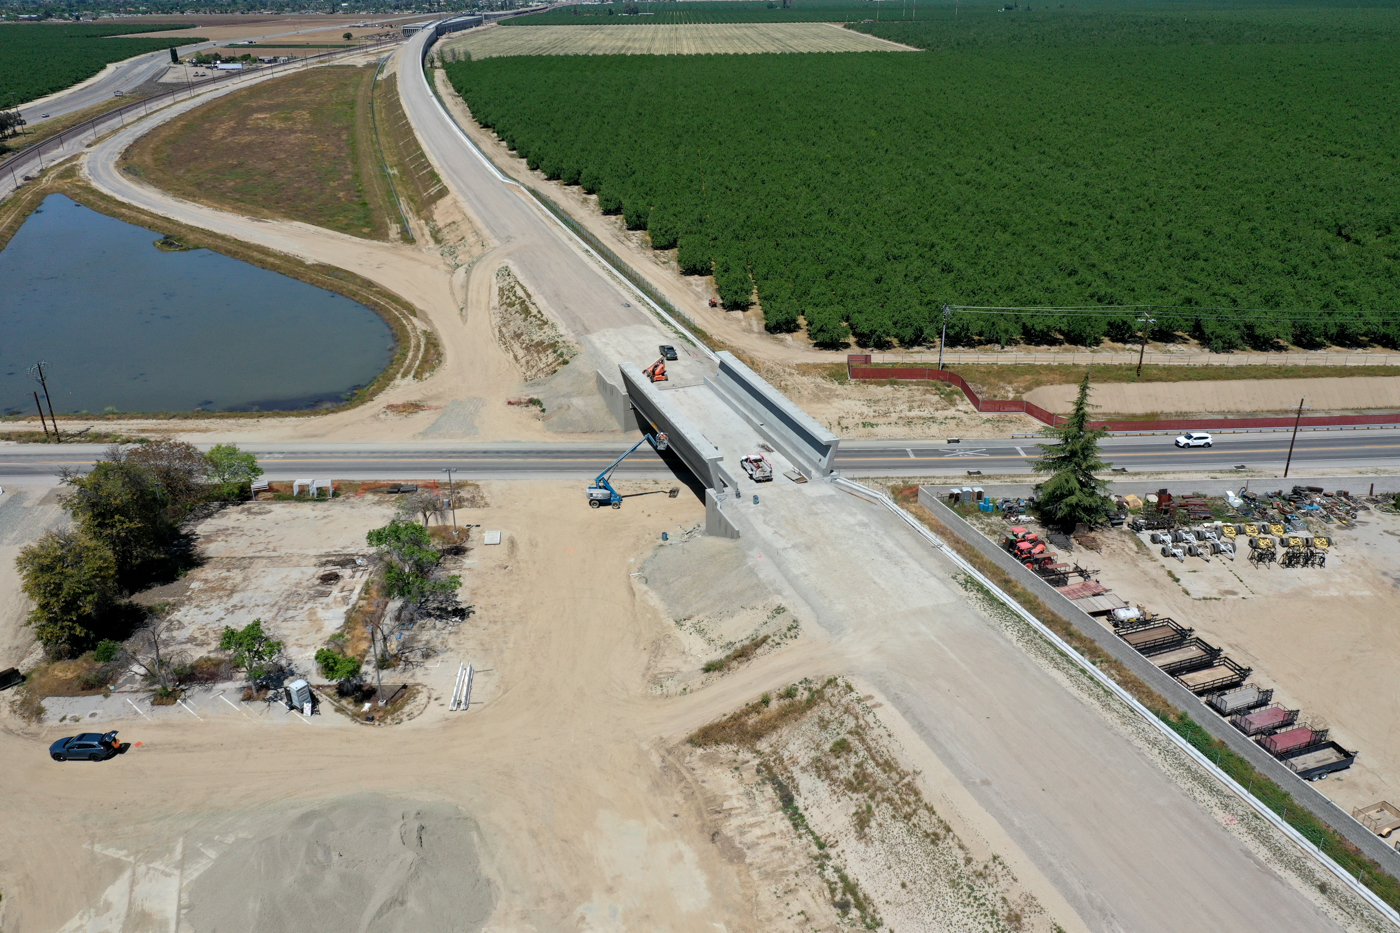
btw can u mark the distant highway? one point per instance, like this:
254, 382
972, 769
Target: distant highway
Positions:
1340, 452
124, 76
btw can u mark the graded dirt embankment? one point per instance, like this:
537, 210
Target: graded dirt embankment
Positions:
1263, 395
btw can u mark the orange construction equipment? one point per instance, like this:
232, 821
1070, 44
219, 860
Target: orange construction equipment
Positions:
656, 372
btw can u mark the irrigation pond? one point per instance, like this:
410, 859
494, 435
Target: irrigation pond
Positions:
126, 326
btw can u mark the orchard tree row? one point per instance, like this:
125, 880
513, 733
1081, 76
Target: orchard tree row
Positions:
856, 194
41, 58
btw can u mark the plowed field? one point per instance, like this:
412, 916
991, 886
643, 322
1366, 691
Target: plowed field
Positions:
715, 39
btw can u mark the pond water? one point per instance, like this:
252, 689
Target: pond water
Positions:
128, 327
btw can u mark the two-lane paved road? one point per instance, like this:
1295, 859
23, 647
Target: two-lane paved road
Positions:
1342, 451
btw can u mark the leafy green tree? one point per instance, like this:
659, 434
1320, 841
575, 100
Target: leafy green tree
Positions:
11, 122
232, 469
72, 579
1073, 494
252, 649
336, 666
407, 550
348, 36
121, 504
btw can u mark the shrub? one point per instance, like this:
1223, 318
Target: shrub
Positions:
336, 666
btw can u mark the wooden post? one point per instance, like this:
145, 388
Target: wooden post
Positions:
46, 424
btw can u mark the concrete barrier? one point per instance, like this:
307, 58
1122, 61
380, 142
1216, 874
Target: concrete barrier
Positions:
717, 524
1302, 792
615, 397
799, 436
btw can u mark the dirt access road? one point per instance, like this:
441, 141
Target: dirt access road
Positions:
453, 297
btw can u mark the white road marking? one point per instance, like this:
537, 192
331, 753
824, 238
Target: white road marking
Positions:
235, 706
910, 452
1020, 451
190, 711
138, 709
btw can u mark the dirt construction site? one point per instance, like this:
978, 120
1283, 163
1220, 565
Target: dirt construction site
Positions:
660, 733
827, 723
590, 674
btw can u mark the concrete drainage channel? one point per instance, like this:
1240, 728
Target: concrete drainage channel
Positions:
1320, 806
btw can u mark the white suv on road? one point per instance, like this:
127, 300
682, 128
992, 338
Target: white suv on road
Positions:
1194, 440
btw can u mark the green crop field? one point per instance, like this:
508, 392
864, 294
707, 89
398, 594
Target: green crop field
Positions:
1238, 158
40, 58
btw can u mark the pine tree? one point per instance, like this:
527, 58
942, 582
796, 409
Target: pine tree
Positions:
1073, 494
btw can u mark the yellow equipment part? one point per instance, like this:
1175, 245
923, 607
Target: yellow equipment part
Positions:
1250, 528
1228, 530
1320, 543
1276, 530
1264, 541
1294, 541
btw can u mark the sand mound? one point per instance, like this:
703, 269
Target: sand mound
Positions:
362, 863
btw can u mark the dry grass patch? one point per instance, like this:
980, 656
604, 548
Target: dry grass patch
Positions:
738, 656
533, 341
418, 183
865, 843
296, 148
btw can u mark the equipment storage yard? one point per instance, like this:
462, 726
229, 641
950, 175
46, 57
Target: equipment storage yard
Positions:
1323, 638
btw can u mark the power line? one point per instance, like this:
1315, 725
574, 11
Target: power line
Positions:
1222, 312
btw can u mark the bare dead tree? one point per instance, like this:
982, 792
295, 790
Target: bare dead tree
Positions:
151, 651
424, 504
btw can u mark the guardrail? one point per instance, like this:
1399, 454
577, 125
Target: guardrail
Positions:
1324, 809
19, 164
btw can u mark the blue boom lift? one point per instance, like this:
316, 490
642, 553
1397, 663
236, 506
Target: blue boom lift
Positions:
601, 491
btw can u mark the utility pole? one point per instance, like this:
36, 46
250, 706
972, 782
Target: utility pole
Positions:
1146, 321
451, 499
37, 371
378, 672
943, 336
41, 416
1296, 421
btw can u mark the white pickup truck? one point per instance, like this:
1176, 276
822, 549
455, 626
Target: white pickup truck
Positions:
758, 468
